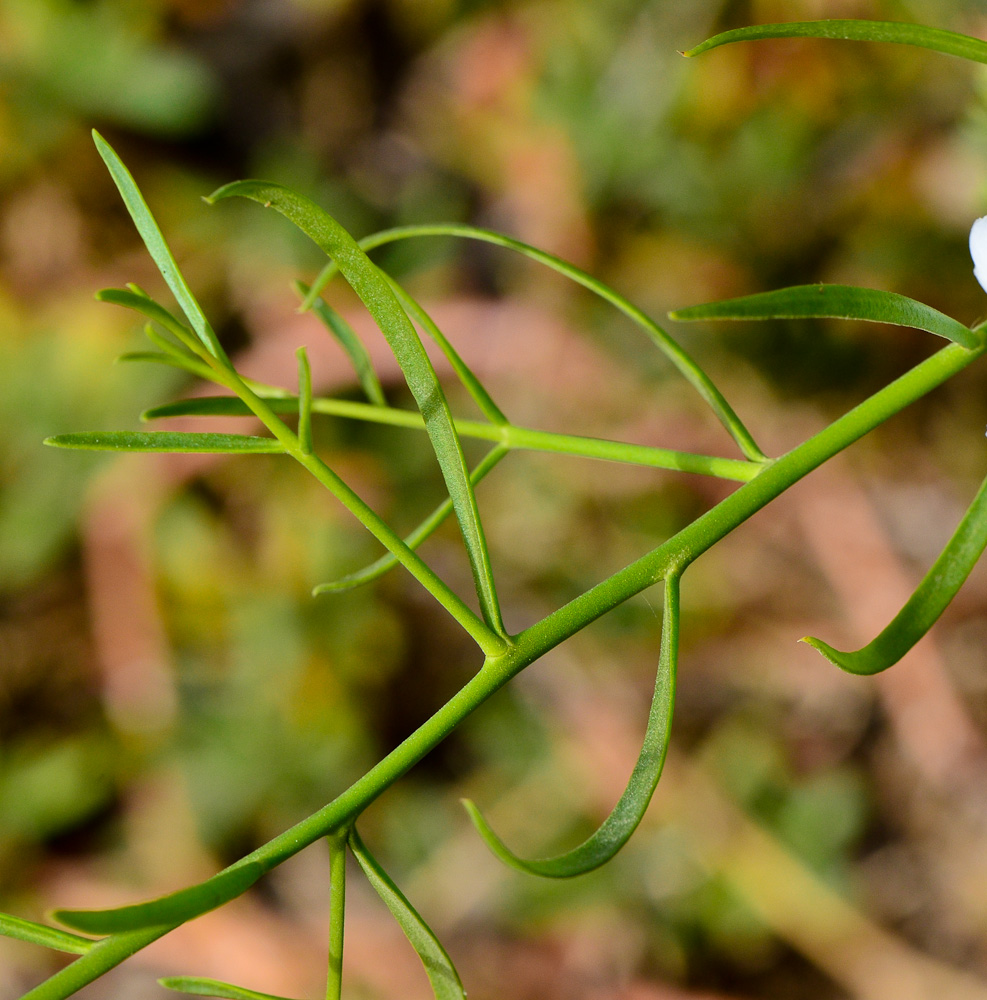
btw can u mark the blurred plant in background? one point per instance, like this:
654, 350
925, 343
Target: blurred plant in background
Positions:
144, 737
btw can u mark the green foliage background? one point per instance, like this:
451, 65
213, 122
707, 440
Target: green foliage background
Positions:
170, 693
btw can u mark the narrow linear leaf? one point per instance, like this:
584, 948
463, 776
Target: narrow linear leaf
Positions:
337, 912
200, 987
446, 984
374, 291
171, 910
104, 955
47, 937
162, 358
139, 301
899, 32
214, 406
157, 247
350, 343
304, 401
424, 530
835, 302
931, 598
470, 382
168, 441
680, 358
617, 828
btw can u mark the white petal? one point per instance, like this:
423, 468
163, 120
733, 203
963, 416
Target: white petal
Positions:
978, 250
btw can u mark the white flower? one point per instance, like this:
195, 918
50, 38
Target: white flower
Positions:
978, 250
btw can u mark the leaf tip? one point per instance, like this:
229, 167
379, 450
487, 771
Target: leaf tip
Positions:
831, 654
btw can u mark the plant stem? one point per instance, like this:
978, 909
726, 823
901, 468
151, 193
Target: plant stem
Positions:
511, 435
771, 481
337, 908
672, 556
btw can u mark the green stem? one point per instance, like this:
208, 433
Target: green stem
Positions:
337, 908
510, 435
486, 638
679, 357
670, 558
771, 481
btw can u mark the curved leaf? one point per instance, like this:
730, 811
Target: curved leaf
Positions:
304, 401
200, 987
104, 955
931, 598
446, 984
835, 302
41, 934
134, 298
470, 382
377, 295
617, 828
169, 441
173, 360
424, 530
346, 337
678, 356
156, 245
899, 32
173, 909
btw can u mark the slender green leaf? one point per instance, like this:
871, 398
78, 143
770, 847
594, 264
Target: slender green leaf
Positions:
617, 828
512, 436
173, 360
215, 406
47, 937
304, 401
157, 247
134, 298
104, 955
367, 281
424, 530
200, 987
470, 382
900, 32
350, 342
337, 912
442, 974
173, 909
931, 598
699, 380
170, 441
835, 302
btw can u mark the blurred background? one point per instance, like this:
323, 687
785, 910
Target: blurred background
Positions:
171, 696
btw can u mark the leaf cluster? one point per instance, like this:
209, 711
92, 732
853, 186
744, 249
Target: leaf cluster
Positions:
191, 345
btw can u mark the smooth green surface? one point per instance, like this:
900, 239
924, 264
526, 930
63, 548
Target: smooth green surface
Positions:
899, 32
304, 401
933, 595
156, 245
446, 984
665, 343
346, 337
337, 913
133, 927
835, 302
627, 814
198, 986
47, 937
509, 436
170, 441
377, 295
170, 909
425, 529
